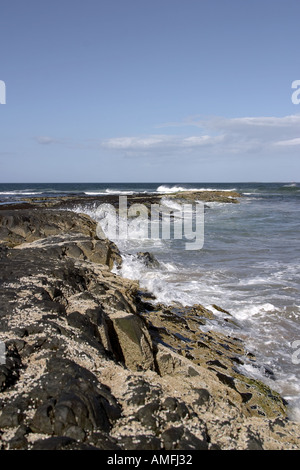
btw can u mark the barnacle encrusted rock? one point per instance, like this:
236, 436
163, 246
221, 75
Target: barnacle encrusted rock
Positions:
92, 362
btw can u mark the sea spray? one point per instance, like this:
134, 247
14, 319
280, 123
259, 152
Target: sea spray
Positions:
249, 265
133, 222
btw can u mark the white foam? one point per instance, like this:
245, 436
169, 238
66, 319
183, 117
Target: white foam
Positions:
253, 310
18, 193
175, 189
95, 193
109, 191
251, 299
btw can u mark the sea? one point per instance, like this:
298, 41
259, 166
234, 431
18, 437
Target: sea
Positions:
248, 264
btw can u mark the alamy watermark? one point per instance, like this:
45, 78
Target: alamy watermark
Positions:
2, 353
156, 221
296, 94
2, 92
296, 354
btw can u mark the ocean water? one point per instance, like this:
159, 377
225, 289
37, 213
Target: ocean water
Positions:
249, 265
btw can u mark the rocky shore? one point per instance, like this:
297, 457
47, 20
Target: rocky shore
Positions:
93, 362
78, 200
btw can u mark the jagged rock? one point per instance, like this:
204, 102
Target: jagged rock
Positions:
63, 232
207, 196
92, 364
19, 441
203, 396
129, 340
148, 259
73, 402
9, 372
61, 443
29, 225
179, 438
83, 201
139, 442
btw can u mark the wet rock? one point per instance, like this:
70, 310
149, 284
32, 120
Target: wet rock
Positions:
148, 259
207, 196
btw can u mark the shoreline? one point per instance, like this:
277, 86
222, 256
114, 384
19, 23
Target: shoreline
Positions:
161, 381
71, 201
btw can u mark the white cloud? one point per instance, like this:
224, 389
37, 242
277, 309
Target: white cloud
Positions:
237, 124
216, 136
135, 143
288, 143
46, 140
171, 142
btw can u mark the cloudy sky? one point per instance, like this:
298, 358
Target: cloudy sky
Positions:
149, 90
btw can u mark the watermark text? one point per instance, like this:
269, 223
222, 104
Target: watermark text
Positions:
155, 222
296, 354
2, 92
2, 353
296, 93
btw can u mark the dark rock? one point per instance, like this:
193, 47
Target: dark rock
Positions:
66, 233
216, 363
179, 438
118, 301
71, 396
140, 442
138, 396
129, 340
60, 443
253, 443
104, 442
139, 391
88, 332
75, 432
246, 397
147, 415
9, 372
176, 409
192, 372
170, 403
148, 259
278, 422
43, 418
203, 396
19, 441
227, 380
54, 295
10, 417
214, 447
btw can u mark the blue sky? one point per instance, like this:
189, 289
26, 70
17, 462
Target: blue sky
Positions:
160, 90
